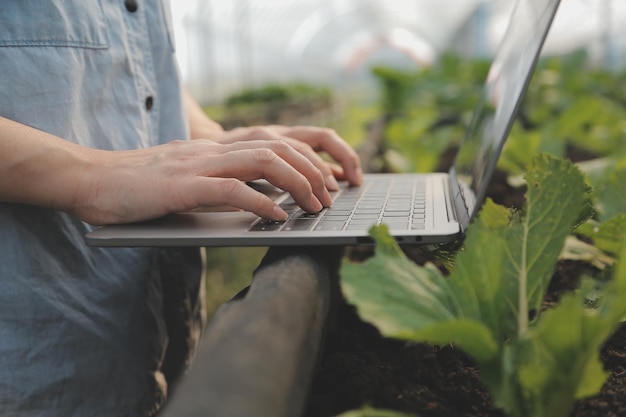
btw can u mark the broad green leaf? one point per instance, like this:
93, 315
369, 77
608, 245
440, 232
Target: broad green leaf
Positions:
555, 197
611, 194
385, 289
594, 123
477, 279
560, 362
608, 236
472, 336
483, 307
494, 217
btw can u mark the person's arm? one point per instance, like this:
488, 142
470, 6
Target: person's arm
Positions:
200, 125
308, 140
124, 186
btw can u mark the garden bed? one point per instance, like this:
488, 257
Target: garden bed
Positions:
359, 367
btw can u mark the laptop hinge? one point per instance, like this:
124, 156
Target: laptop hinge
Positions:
463, 200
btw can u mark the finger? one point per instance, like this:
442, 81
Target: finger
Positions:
235, 193
271, 133
319, 139
250, 164
327, 140
292, 157
316, 159
337, 171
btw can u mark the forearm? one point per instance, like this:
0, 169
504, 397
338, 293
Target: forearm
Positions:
200, 125
39, 168
102, 187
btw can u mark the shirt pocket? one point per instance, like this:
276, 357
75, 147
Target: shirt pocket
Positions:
55, 23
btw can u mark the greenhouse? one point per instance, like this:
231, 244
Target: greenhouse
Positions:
313, 208
224, 47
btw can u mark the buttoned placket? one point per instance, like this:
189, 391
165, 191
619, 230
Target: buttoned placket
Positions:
141, 62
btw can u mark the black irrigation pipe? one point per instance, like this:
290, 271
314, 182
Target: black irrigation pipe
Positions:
259, 352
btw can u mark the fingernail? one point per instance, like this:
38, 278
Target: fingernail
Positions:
316, 204
279, 214
328, 200
331, 183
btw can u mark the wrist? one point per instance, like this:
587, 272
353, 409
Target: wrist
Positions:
205, 129
38, 168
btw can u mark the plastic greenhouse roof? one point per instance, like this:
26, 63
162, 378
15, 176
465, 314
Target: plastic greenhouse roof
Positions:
225, 46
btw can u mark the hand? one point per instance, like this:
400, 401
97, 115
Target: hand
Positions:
127, 186
308, 141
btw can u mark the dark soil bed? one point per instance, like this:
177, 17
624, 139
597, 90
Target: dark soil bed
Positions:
360, 367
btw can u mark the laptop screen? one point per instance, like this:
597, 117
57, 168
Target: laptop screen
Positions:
506, 83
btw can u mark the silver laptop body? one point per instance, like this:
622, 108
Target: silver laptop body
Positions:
426, 208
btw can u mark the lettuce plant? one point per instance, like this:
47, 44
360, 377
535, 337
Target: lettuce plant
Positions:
535, 362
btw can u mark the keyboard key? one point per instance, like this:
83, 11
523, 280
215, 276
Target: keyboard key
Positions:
371, 206
363, 226
267, 226
308, 216
364, 221
329, 226
373, 217
367, 211
396, 224
337, 211
298, 224
396, 209
388, 217
344, 206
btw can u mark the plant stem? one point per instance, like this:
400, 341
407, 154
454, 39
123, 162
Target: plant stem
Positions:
522, 316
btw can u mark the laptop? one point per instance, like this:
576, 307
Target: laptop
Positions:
428, 208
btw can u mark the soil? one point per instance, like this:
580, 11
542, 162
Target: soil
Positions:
360, 367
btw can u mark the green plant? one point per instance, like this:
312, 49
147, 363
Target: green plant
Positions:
535, 361
427, 110
292, 103
280, 93
569, 104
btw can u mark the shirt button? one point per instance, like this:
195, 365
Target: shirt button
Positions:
149, 102
131, 5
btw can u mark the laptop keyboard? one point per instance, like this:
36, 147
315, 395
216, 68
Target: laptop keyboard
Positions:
399, 202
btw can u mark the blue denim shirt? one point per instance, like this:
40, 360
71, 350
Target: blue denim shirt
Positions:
87, 331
